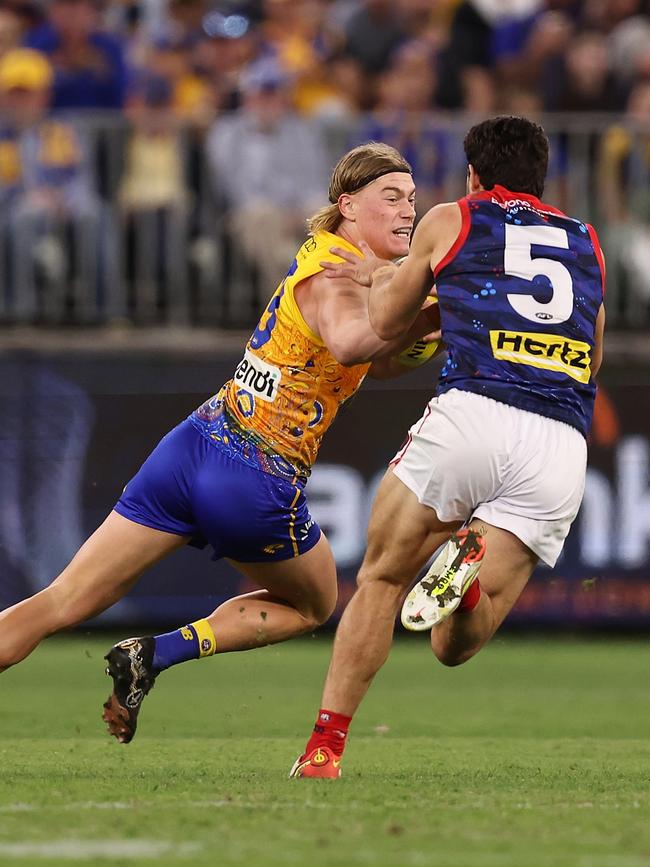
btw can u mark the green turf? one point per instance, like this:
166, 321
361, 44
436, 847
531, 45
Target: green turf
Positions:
536, 754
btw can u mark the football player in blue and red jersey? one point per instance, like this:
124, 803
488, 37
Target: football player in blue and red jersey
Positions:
494, 470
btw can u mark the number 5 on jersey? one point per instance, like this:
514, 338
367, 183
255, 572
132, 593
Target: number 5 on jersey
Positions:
518, 262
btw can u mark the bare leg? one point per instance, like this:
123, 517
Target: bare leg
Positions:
401, 537
504, 572
300, 594
104, 569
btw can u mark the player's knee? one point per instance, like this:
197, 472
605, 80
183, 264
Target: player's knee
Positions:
376, 573
7, 659
323, 612
319, 610
449, 654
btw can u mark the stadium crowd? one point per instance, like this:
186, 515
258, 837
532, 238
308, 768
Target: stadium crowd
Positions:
234, 95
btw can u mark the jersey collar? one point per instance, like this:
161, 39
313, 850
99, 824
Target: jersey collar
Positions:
505, 197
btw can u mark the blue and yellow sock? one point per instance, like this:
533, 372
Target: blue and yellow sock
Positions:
193, 641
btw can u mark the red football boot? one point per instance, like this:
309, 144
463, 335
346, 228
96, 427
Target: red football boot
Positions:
321, 763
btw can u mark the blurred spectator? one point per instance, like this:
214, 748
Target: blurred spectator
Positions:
540, 64
629, 43
467, 47
10, 29
192, 97
221, 56
478, 90
422, 19
294, 32
586, 82
401, 118
154, 199
512, 28
625, 189
299, 35
154, 172
527, 44
372, 34
606, 15
29, 13
524, 101
89, 66
269, 169
183, 22
60, 230
335, 88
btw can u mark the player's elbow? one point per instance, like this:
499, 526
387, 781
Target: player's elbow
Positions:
346, 352
384, 327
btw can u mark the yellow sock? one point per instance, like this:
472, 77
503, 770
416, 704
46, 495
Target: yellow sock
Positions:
205, 635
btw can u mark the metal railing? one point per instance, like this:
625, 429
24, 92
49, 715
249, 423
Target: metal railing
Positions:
180, 263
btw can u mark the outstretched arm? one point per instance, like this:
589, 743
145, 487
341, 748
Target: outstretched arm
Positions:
343, 324
396, 294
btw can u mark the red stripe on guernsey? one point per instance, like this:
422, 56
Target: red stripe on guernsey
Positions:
599, 253
398, 457
460, 240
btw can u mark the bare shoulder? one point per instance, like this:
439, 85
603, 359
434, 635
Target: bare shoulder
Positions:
442, 213
319, 287
319, 294
446, 222
437, 225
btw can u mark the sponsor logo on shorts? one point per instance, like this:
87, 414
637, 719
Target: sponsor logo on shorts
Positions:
273, 548
304, 530
548, 351
257, 376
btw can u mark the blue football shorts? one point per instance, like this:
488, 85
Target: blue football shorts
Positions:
193, 486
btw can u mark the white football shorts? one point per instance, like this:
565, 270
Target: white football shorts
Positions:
472, 457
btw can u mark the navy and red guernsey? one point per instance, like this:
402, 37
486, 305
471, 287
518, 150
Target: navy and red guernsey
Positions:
519, 294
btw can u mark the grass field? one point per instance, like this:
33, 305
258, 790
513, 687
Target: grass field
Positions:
536, 754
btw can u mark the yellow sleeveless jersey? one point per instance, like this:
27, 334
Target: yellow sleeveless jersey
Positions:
288, 387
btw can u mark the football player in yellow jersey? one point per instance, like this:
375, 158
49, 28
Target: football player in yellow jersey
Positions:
233, 474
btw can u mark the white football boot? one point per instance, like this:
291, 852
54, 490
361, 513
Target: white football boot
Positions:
439, 593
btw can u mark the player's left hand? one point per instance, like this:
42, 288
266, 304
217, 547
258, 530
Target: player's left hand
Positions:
431, 311
432, 337
354, 267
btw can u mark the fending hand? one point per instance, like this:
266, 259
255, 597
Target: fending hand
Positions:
354, 267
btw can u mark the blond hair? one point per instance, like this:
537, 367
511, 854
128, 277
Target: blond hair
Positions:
355, 170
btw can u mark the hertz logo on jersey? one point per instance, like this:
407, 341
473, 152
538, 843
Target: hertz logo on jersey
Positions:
549, 351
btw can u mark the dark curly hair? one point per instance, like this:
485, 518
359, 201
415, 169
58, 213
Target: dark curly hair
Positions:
509, 151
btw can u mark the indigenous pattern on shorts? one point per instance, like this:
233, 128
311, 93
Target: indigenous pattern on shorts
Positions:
241, 444
288, 387
519, 295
